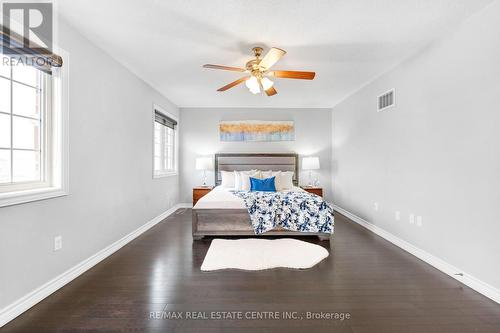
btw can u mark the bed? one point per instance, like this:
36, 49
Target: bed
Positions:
221, 213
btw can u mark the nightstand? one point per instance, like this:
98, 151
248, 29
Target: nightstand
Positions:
314, 190
199, 192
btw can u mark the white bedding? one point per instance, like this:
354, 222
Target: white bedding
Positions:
222, 198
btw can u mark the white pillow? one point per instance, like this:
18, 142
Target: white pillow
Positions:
277, 179
237, 180
266, 174
286, 180
242, 179
245, 179
227, 179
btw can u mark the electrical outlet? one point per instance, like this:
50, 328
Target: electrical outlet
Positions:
419, 221
397, 215
412, 219
57, 243
375, 206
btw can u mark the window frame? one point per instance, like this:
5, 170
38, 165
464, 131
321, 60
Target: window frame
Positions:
55, 144
163, 173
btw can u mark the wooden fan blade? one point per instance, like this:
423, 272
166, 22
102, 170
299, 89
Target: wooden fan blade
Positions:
271, 58
226, 68
293, 75
271, 91
234, 83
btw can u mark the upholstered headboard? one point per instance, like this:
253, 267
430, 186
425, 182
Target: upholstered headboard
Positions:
249, 161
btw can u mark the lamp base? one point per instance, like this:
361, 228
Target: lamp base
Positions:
204, 179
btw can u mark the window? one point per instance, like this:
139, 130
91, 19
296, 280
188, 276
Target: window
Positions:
23, 118
30, 134
165, 143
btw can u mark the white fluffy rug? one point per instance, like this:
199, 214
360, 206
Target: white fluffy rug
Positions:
257, 254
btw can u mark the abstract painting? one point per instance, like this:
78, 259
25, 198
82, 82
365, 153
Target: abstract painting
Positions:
256, 130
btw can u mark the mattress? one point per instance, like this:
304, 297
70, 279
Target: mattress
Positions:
222, 198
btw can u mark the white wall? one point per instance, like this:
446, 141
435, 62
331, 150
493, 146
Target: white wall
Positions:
111, 188
200, 137
436, 154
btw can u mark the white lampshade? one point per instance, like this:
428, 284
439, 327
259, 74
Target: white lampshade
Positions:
310, 163
253, 85
203, 163
266, 83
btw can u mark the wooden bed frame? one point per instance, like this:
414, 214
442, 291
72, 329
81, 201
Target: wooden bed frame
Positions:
236, 222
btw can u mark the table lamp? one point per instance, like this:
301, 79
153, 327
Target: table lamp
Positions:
310, 163
204, 163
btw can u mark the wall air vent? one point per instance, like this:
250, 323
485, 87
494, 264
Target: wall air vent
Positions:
386, 101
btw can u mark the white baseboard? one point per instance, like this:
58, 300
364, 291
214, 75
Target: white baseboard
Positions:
456, 273
24, 303
185, 205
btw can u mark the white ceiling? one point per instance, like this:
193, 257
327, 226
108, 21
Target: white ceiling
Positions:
347, 43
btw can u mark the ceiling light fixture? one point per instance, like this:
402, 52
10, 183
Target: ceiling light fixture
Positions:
259, 69
266, 83
253, 85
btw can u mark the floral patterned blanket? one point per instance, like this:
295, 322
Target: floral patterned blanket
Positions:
295, 211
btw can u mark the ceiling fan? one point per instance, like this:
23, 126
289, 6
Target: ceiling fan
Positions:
258, 72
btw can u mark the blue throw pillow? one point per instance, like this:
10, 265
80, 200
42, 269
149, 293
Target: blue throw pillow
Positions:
263, 185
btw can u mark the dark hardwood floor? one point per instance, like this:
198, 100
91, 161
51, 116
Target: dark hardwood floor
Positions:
381, 287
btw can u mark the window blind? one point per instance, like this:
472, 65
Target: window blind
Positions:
165, 120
